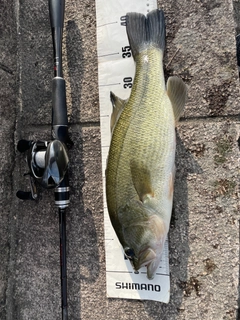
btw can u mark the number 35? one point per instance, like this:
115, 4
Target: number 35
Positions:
126, 52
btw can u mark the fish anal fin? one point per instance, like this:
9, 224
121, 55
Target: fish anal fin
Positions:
141, 180
177, 93
118, 105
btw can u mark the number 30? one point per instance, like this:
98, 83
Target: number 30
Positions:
127, 83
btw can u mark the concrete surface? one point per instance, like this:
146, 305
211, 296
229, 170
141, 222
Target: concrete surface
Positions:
204, 234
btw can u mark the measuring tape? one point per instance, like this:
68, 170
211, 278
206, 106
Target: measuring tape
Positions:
116, 71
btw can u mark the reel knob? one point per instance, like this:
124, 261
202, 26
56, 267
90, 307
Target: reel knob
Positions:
24, 145
24, 195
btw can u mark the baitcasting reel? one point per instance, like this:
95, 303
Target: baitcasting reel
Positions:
48, 164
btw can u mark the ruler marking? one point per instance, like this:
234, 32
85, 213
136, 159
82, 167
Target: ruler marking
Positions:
108, 54
113, 271
107, 85
106, 24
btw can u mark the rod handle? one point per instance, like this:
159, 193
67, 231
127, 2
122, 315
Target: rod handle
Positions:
56, 10
59, 109
59, 102
65, 314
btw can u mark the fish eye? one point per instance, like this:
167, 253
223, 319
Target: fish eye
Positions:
129, 253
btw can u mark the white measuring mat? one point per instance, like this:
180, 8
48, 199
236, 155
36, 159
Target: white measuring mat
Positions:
116, 71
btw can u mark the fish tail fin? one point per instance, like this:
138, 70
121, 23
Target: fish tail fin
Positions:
144, 31
156, 29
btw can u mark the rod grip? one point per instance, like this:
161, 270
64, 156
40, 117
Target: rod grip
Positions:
64, 314
56, 9
59, 102
59, 110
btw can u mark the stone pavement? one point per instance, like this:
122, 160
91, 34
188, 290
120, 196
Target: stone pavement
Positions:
204, 234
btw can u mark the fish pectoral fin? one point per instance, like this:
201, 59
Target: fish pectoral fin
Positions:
141, 180
118, 105
177, 93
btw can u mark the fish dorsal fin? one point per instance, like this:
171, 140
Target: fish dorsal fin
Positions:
141, 180
118, 105
177, 93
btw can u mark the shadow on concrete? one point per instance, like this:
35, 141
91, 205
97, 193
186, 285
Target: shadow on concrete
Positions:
83, 257
178, 237
36, 64
236, 15
75, 60
8, 100
238, 301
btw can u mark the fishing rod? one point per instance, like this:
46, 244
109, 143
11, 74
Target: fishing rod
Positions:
48, 160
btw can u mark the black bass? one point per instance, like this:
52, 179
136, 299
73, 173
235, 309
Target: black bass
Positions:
140, 167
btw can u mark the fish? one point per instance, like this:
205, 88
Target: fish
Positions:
141, 160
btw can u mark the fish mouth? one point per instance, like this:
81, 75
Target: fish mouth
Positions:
147, 257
